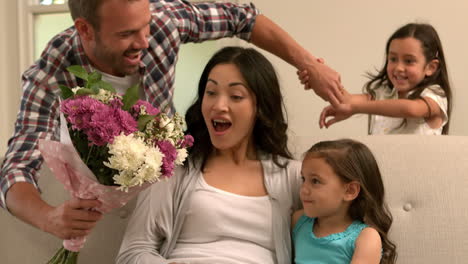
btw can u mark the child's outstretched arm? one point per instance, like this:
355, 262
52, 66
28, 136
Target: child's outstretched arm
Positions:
368, 247
404, 108
343, 109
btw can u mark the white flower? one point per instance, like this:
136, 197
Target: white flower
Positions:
167, 124
127, 153
151, 169
103, 96
136, 162
181, 156
74, 90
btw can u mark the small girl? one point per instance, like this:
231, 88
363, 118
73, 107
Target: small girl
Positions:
410, 95
345, 218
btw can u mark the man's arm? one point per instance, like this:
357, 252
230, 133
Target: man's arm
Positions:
208, 21
270, 37
68, 220
18, 176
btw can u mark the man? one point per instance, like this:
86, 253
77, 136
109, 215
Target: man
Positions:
129, 42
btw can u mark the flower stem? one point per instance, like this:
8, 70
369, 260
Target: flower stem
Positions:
64, 256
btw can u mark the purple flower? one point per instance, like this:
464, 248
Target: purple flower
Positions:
135, 110
109, 123
116, 103
170, 155
186, 142
100, 122
80, 110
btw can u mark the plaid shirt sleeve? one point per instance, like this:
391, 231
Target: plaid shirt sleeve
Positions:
209, 21
38, 114
36, 119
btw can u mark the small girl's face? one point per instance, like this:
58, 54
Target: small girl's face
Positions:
406, 65
322, 191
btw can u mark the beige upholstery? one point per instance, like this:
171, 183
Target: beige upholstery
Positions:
427, 188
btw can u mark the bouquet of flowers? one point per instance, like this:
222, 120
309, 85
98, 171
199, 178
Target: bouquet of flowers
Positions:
112, 147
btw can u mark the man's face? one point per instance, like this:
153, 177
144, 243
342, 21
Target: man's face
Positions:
124, 29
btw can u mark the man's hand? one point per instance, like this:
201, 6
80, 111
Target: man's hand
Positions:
325, 81
71, 219
74, 218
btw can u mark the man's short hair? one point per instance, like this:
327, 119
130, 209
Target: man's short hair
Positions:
87, 9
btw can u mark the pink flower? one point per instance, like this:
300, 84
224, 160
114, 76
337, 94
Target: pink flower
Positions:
136, 108
100, 122
186, 142
80, 110
109, 123
170, 155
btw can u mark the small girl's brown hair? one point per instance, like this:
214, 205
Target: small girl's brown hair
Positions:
353, 161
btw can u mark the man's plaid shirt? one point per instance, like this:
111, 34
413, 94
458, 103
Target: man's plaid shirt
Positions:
174, 22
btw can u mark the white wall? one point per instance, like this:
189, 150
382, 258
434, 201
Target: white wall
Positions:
10, 90
351, 36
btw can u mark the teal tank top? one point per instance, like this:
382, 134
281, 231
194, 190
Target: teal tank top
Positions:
336, 248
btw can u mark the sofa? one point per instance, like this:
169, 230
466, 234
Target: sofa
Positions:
426, 183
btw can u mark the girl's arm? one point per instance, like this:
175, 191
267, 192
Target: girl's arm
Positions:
368, 248
404, 108
296, 217
343, 109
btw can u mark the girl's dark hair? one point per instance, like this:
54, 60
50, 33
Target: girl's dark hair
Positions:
353, 161
432, 49
269, 133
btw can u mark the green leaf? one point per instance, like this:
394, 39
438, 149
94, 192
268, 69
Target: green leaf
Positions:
94, 77
143, 121
130, 97
106, 86
66, 92
78, 71
85, 91
95, 88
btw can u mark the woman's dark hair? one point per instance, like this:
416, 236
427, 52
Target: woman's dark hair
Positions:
353, 161
269, 133
432, 49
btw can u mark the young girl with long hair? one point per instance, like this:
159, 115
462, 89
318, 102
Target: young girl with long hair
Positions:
345, 218
411, 94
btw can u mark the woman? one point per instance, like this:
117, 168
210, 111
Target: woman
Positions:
232, 202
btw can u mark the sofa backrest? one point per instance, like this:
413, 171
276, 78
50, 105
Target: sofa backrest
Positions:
426, 183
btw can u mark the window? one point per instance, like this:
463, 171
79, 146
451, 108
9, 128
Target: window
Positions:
51, 2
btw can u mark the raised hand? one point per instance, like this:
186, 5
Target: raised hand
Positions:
72, 219
339, 110
325, 81
303, 75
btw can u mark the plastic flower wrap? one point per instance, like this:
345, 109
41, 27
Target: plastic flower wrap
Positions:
111, 147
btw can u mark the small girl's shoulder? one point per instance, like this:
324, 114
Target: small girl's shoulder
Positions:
368, 234
295, 217
433, 89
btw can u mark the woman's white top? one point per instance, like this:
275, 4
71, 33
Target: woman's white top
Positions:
382, 125
222, 227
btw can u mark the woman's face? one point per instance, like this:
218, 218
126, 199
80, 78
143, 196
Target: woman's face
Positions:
228, 108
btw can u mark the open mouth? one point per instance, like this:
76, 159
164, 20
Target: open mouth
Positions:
221, 125
133, 57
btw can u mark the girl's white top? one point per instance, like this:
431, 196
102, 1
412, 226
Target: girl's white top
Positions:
239, 233
382, 125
